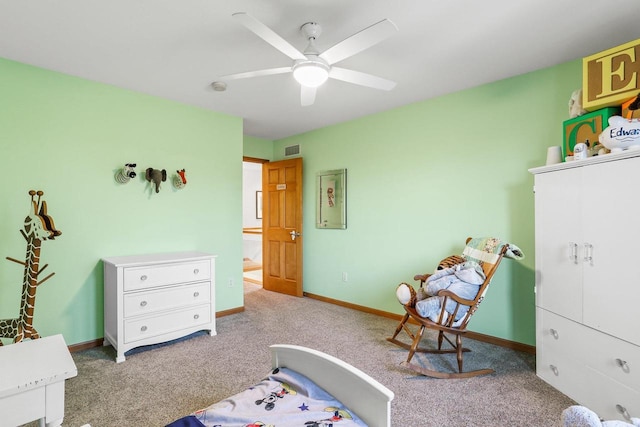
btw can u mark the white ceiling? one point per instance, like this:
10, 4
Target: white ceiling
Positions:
174, 49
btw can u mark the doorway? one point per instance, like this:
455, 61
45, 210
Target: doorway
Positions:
252, 220
277, 233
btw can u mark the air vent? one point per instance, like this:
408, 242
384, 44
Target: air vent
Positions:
292, 150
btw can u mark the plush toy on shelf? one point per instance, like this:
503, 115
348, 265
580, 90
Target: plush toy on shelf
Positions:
622, 134
575, 104
631, 106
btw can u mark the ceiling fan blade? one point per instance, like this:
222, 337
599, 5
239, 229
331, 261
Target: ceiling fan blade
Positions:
362, 79
307, 95
268, 35
257, 73
359, 41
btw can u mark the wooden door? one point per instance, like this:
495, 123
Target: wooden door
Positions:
282, 226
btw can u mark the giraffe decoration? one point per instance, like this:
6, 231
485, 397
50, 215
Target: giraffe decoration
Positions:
38, 226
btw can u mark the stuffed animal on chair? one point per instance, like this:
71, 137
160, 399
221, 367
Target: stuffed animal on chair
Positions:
463, 280
408, 296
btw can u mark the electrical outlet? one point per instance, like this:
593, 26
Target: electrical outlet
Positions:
345, 276
230, 282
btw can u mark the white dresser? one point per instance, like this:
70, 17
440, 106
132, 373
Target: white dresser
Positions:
587, 218
149, 299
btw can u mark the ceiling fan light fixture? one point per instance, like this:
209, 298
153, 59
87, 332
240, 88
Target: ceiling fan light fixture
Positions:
311, 73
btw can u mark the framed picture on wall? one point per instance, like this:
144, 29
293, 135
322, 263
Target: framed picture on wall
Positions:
331, 199
258, 204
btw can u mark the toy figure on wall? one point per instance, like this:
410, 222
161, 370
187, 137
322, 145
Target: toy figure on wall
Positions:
156, 176
126, 173
38, 226
180, 180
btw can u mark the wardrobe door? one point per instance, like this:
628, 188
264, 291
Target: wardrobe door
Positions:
558, 233
611, 260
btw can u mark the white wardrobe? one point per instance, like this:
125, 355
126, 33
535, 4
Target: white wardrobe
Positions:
587, 219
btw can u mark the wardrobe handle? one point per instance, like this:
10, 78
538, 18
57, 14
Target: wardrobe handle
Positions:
624, 412
588, 253
554, 370
554, 333
623, 365
196, 316
573, 248
143, 303
196, 271
143, 277
144, 328
196, 294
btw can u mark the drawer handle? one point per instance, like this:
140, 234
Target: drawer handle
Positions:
196, 294
554, 333
196, 271
624, 412
554, 370
623, 365
144, 328
143, 277
196, 316
143, 303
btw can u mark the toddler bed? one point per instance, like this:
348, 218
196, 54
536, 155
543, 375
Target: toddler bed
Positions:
305, 388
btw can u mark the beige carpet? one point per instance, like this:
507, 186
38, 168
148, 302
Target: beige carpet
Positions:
156, 386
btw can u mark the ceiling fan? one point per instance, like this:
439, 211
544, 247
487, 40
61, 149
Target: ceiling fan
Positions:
312, 68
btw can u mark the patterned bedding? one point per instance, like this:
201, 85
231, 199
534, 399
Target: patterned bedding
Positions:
283, 399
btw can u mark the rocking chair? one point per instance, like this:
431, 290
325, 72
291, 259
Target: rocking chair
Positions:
487, 252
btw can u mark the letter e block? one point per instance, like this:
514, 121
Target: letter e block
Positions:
611, 77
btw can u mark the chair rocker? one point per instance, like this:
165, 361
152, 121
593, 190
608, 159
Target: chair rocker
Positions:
446, 323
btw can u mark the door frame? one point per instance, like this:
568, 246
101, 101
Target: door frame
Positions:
262, 161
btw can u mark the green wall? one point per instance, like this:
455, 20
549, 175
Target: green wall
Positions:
423, 177
68, 137
257, 147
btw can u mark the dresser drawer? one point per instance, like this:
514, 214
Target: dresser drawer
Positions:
138, 303
614, 358
136, 278
150, 326
611, 356
610, 399
561, 335
564, 373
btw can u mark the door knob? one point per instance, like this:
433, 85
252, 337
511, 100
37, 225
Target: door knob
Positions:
294, 234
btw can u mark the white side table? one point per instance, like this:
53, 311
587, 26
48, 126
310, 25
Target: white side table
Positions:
32, 375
